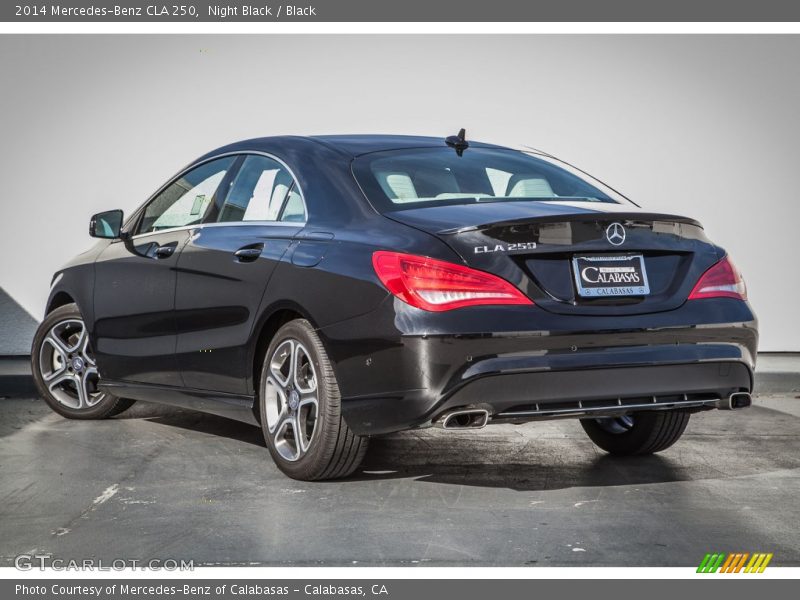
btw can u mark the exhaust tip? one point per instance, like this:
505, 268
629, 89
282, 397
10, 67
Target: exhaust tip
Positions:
740, 400
735, 401
471, 418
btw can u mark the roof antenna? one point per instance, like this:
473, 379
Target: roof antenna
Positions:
458, 141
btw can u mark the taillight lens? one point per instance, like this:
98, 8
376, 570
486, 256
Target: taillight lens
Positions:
723, 280
437, 285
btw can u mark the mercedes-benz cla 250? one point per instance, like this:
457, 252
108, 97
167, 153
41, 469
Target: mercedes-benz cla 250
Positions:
333, 288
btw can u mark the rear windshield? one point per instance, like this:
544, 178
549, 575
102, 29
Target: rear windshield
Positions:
419, 177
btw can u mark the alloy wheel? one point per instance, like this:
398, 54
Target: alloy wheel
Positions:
292, 404
68, 367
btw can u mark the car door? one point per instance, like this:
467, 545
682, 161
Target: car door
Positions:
224, 270
135, 279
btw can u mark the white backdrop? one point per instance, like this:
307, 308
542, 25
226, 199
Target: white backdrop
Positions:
700, 125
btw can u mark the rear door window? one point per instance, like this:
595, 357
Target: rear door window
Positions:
263, 190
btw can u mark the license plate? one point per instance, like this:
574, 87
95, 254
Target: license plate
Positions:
598, 276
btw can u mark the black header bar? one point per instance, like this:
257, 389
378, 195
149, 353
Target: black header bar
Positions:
401, 11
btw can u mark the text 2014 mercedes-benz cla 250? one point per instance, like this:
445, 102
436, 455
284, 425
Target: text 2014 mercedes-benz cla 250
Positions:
334, 288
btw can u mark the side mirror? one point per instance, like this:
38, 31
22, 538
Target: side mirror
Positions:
106, 225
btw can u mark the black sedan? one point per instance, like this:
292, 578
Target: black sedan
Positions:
333, 288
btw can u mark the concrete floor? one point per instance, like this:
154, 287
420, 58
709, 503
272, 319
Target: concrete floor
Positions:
159, 482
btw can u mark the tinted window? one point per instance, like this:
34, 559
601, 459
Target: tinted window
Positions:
294, 210
262, 191
186, 200
413, 178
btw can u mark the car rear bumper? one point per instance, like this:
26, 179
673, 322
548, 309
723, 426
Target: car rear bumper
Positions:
525, 396
553, 394
648, 362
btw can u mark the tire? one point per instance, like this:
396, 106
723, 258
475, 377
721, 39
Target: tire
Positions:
292, 406
639, 433
64, 369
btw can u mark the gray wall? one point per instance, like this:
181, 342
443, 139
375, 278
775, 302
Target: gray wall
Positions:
17, 327
704, 125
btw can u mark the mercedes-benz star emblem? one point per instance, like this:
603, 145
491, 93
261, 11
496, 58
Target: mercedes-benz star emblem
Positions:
615, 234
294, 400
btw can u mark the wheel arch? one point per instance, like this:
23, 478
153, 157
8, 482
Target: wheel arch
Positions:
271, 321
59, 299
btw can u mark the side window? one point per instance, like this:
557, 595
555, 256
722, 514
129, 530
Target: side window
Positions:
294, 211
262, 191
185, 200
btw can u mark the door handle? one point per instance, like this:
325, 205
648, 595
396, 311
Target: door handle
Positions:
249, 253
164, 251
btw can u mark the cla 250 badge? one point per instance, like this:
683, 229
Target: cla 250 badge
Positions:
505, 247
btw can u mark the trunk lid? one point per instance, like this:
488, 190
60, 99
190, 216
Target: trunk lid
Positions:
533, 244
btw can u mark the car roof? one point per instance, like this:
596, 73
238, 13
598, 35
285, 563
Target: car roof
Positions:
349, 145
364, 143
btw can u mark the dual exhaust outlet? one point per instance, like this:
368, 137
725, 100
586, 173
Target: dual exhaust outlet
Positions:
478, 418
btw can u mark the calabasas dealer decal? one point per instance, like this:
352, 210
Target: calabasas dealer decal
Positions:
611, 275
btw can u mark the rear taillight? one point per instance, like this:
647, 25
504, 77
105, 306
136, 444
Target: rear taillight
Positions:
437, 285
723, 280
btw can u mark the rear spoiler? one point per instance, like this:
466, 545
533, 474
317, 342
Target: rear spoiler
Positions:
581, 217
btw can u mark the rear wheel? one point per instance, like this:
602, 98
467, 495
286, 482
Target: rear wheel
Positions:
65, 370
639, 433
301, 408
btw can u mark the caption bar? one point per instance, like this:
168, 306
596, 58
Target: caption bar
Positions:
405, 11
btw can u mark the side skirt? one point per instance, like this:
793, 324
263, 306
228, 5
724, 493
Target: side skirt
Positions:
232, 406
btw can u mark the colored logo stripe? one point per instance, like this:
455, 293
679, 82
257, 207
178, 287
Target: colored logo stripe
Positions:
711, 562
734, 562
731, 559
758, 563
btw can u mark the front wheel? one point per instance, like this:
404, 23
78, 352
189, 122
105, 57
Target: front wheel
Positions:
65, 371
300, 408
639, 433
